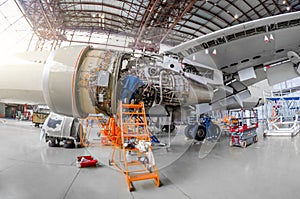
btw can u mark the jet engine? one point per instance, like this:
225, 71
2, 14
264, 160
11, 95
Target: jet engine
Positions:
82, 80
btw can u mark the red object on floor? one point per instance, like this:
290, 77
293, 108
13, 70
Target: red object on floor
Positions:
88, 157
88, 163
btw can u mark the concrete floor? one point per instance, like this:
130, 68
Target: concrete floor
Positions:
30, 169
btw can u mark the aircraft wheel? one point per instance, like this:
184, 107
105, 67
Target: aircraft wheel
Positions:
215, 130
188, 131
199, 132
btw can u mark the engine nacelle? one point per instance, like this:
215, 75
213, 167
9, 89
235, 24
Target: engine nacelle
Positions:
82, 80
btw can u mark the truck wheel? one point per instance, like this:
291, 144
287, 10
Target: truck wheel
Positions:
79, 145
69, 144
244, 144
52, 143
255, 139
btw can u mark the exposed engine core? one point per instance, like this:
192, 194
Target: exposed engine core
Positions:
81, 80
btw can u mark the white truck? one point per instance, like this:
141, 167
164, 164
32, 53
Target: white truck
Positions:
59, 128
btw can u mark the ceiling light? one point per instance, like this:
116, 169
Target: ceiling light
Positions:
236, 16
266, 39
102, 16
214, 52
284, 2
288, 8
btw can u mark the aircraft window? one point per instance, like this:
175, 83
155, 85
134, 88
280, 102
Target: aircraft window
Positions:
245, 60
256, 57
234, 64
279, 51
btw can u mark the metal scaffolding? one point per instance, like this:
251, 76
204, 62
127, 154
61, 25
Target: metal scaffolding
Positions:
139, 24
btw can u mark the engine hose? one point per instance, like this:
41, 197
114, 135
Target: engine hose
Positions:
160, 85
173, 82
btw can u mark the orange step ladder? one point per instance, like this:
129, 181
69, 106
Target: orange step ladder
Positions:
132, 150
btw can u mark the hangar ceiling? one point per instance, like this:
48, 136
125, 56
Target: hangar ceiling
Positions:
140, 24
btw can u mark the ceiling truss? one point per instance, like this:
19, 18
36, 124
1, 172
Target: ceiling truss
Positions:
145, 23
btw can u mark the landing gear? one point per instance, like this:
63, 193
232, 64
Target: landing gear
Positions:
188, 131
197, 132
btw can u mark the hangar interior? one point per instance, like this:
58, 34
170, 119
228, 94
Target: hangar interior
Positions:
149, 99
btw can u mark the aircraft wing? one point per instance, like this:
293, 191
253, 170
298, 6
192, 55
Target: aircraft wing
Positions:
248, 53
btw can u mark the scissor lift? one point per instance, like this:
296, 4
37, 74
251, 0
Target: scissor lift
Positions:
243, 129
132, 150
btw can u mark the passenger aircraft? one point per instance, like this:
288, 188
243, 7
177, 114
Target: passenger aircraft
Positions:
218, 69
